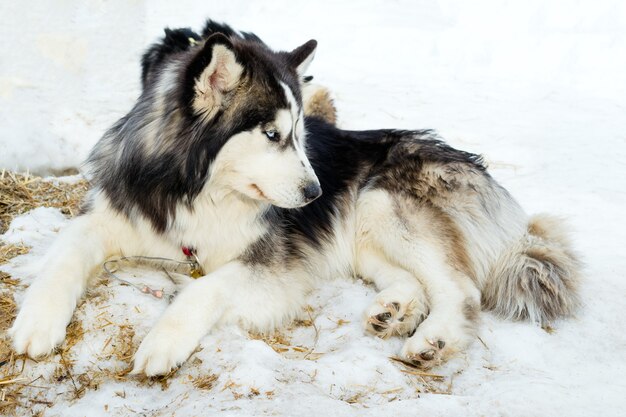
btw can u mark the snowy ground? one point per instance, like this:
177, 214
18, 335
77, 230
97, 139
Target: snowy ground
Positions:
540, 89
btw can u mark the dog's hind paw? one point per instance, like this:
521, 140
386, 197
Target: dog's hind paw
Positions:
436, 340
425, 354
394, 314
385, 320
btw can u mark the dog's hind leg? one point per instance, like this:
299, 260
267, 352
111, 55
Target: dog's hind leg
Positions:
450, 325
401, 304
253, 296
61, 280
453, 298
416, 238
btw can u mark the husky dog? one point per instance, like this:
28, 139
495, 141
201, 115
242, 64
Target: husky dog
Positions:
217, 155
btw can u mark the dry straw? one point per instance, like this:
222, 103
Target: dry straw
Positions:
20, 193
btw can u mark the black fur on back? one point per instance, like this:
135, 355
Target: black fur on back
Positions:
339, 159
349, 161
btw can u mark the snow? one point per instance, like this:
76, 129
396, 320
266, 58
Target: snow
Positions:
538, 87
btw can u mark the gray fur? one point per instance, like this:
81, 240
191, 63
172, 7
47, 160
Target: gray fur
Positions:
537, 278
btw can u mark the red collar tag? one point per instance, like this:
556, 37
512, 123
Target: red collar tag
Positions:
189, 252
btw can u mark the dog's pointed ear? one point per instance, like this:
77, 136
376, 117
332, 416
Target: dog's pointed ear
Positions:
213, 73
301, 57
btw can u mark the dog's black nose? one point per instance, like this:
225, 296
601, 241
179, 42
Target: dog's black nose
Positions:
312, 191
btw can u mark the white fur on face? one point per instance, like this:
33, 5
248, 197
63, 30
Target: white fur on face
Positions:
266, 170
299, 136
276, 172
297, 120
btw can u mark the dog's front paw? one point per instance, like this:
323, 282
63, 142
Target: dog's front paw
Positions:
162, 350
40, 325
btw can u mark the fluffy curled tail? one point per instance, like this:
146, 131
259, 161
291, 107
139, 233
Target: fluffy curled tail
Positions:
537, 278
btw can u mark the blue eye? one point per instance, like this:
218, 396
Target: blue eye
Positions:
272, 135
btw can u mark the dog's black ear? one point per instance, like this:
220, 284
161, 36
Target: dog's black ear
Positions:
212, 73
301, 57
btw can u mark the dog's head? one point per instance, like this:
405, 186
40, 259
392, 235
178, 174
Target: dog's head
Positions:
243, 104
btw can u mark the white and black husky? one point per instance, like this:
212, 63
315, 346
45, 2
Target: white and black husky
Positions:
217, 155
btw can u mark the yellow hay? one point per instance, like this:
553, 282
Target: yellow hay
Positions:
20, 193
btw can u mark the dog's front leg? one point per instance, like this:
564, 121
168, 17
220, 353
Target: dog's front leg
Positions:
251, 296
62, 278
